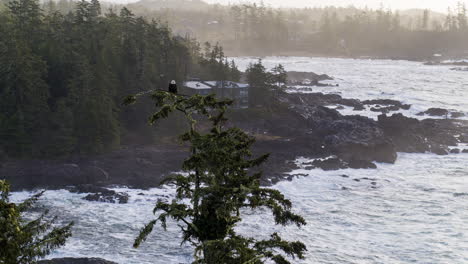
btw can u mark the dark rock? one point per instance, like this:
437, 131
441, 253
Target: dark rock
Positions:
344, 176
88, 188
414, 136
439, 150
455, 151
329, 164
99, 194
385, 109
299, 77
465, 151
298, 125
361, 164
391, 105
459, 69
457, 114
76, 261
359, 108
406, 106
435, 112
120, 198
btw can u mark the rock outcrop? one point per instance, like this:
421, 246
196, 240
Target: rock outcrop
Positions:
100, 194
298, 125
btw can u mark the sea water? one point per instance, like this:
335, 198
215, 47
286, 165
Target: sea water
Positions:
413, 211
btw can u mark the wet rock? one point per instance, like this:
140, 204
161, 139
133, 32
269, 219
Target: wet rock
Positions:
439, 150
361, 164
359, 108
300, 77
459, 69
329, 164
392, 105
457, 114
297, 125
414, 136
385, 109
113, 197
99, 194
465, 151
76, 261
435, 112
455, 151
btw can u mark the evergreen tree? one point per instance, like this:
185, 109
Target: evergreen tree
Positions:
23, 241
279, 75
219, 183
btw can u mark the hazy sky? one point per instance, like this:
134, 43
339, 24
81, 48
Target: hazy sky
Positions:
438, 5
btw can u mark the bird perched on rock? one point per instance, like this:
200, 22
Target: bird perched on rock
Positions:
173, 87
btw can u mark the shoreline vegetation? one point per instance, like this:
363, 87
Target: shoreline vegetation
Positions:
65, 68
64, 77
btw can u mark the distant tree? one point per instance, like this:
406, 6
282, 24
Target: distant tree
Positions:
235, 72
279, 75
462, 16
23, 241
218, 184
259, 80
425, 20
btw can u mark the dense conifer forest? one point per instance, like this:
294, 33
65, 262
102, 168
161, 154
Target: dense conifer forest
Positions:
63, 75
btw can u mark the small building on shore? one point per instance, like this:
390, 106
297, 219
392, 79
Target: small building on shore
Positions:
239, 92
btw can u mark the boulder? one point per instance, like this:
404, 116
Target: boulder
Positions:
113, 197
361, 164
439, 150
457, 114
99, 194
385, 109
392, 105
435, 112
329, 164
465, 151
455, 151
359, 108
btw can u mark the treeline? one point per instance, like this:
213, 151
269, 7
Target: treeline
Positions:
252, 29
63, 76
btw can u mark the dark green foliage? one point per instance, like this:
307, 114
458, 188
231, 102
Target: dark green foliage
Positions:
265, 84
22, 241
220, 183
63, 75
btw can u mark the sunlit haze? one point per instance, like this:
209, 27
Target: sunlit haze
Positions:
438, 5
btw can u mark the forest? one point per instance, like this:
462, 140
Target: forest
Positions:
257, 29
64, 75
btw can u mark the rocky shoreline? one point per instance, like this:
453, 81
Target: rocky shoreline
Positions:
300, 126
